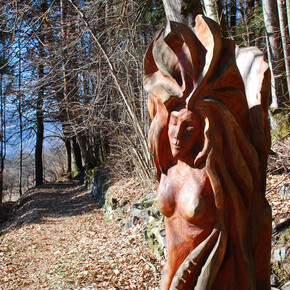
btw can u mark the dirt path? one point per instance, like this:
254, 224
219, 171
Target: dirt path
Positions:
60, 240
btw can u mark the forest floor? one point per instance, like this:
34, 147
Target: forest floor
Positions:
58, 237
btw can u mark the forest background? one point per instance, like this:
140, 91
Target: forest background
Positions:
71, 77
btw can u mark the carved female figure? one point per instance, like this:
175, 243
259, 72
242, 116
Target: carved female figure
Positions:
210, 169
185, 196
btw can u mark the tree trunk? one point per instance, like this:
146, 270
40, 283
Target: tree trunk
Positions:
285, 40
2, 140
21, 145
183, 11
275, 54
77, 154
250, 10
39, 134
288, 14
39, 106
233, 16
126, 96
68, 152
211, 10
20, 122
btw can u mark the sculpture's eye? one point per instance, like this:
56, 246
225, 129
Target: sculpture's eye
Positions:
173, 121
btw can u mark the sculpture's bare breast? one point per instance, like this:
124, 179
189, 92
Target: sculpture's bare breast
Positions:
189, 195
188, 204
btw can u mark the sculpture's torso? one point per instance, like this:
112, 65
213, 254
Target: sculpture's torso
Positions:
185, 198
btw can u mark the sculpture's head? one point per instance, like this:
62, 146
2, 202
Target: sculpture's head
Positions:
183, 131
193, 69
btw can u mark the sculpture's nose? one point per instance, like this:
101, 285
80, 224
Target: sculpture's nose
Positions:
178, 132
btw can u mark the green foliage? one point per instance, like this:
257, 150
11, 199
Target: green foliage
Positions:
154, 16
281, 268
89, 177
76, 171
250, 29
153, 236
190, 6
280, 123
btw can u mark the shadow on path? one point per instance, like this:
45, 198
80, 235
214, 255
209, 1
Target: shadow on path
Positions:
47, 201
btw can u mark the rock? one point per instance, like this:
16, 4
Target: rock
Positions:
282, 223
141, 214
135, 219
123, 202
156, 213
144, 209
163, 233
148, 202
135, 211
280, 254
286, 286
114, 203
274, 280
159, 237
127, 224
136, 205
285, 190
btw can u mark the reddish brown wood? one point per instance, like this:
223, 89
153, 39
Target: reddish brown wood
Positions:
210, 139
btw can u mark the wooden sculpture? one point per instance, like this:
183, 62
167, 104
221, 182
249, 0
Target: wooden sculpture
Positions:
210, 139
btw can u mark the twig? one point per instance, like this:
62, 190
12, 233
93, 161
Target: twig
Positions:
150, 264
276, 185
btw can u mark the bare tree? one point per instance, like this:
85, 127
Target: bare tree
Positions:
2, 137
275, 52
211, 10
183, 11
285, 39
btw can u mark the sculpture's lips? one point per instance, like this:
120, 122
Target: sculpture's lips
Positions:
177, 147
177, 144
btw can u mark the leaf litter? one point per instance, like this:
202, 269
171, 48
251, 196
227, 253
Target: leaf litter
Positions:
73, 250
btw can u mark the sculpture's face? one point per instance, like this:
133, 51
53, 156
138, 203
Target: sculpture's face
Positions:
183, 131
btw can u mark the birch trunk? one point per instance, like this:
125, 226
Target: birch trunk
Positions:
288, 14
182, 11
285, 40
211, 10
275, 54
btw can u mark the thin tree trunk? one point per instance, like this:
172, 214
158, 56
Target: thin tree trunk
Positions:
39, 108
39, 134
68, 153
233, 16
285, 40
21, 145
248, 19
288, 14
2, 140
183, 11
211, 10
20, 122
123, 92
77, 154
275, 54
